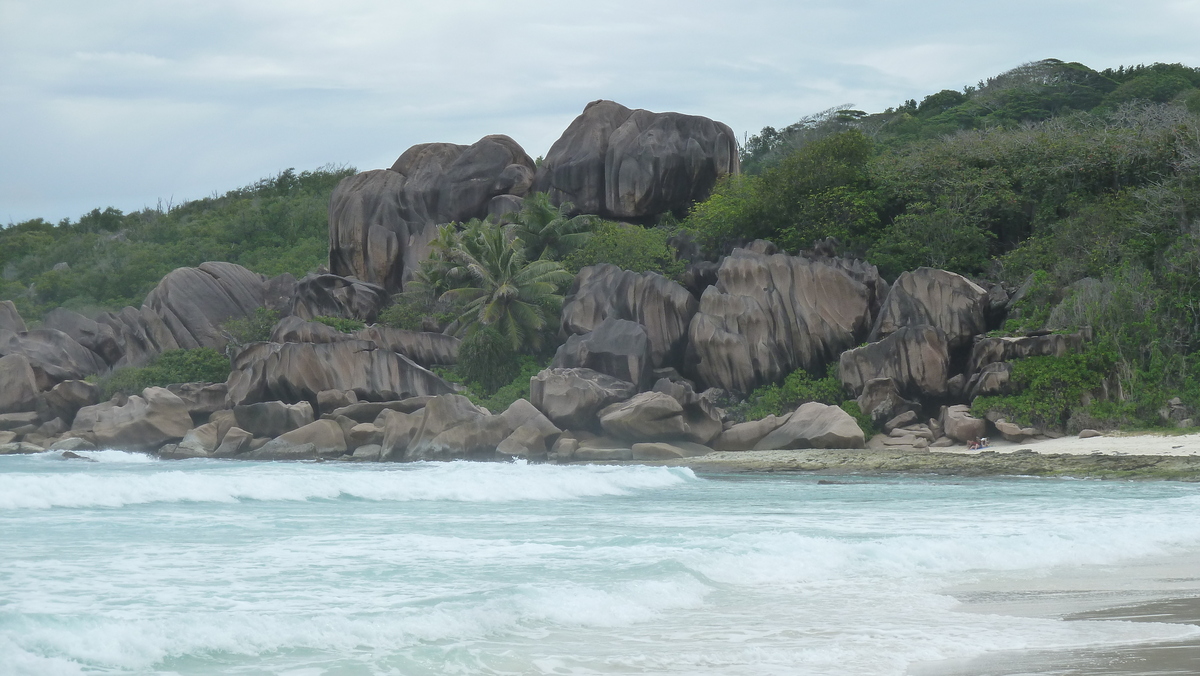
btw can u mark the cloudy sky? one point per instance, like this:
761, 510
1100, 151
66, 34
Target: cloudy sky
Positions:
124, 103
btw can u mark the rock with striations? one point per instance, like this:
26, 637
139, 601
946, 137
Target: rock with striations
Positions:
662, 307
571, 398
141, 334
235, 442
318, 439
994, 378
992, 350
53, 355
931, 297
617, 347
881, 399
18, 385
294, 372
95, 336
815, 425
533, 435
66, 398
202, 399
631, 164
143, 423
915, 357
193, 303
960, 425
745, 436
425, 348
272, 418
381, 222
436, 438
10, 319
769, 315
649, 416
325, 295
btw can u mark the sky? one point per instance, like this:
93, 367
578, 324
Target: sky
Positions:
133, 104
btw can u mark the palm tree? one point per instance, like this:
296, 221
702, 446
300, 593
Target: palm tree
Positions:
549, 231
505, 291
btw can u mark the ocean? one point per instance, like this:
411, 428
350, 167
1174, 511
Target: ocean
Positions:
131, 565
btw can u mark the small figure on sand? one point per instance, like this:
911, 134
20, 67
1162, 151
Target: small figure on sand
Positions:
979, 443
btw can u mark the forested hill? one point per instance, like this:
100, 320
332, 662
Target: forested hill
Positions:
108, 259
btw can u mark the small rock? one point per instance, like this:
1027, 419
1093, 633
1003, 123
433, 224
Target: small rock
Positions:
69, 455
1089, 433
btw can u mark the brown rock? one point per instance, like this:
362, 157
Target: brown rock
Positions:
194, 302
18, 386
324, 295
815, 425
915, 357
235, 442
649, 416
617, 347
143, 423
272, 418
53, 355
744, 436
961, 426
881, 399
318, 439
571, 398
929, 297
10, 319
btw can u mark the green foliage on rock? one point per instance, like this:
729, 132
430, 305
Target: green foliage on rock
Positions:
253, 329
204, 365
341, 323
630, 247
1049, 389
798, 388
487, 359
865, 422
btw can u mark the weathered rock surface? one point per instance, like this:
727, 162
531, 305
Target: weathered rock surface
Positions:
200, 442
617, 347
770, 315
299, 371
649, 416
745, 436
235, 442
10, 319
994, 378
381, 222
368, 411
143, 423
815, 425
960, 425
329, 401
272, 418
1014, 432
53, 355
141, 334
194, 302
318, 439
992, 350
915, 357
324, 295
622, 163
18, 386
662, 307
97, 337
425, 348
201, 399
931, 297
881, 399
571, 398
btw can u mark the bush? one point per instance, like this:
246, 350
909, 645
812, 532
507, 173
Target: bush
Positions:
415, 312
865, 423
630, 247
341, 324
487, 361
798, 388
253, 329
201, 365
1047, 390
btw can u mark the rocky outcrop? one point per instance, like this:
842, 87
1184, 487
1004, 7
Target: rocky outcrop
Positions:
881, 399
992, 379
293, 372
272, 418
617, 347
53, 355
140, 333
66, 398
425, 348
193, 302
143, 423
201, 399
318, 439
930, 297
97, 337
744, 436
571, 398
815, 425
960, 425
992, 350
915, 357
769, 315
649, 416
10, 319
630, 164
18, 386
662, 307
333, 296
381, 222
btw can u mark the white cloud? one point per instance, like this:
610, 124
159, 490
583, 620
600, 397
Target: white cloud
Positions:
127, 101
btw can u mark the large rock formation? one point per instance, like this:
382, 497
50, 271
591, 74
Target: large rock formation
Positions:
142, 424
141, 334
18, 386
930, 297
381, 222
334, 296
815, 425
53, 355
293, 372
992, 350
97, 337
571, 398
194, 302
769, 315
916, 358
661, 306
10, 319
630, 164
425, 348
618, 347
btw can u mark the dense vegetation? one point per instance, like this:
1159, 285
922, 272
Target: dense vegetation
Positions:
274, 225
200, 365
1081, 186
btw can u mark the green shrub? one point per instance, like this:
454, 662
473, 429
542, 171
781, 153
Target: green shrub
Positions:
798, 388
253, 329
630, 247
203, 365
506, 394
865, 423
341, 324
1047, 390
487, 361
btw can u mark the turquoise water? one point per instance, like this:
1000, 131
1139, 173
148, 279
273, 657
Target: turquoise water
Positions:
132, 565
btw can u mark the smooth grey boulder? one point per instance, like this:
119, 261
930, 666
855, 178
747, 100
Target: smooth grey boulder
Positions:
931, 297
659, 450
960, 425
533, 435
617, 347
369, 411
329, 401
815, 425
18, 385
141, 334
1014, 432
299, 371
363, 434
272, 418
325, 295
381, 222
199, 442
235, 442
19, 421
202, 399
143, 423
881, 399
770, 315
20, 448
10, 319
318, 439
744, 436
399, 429
193, 303
994, 378
475, 438
623, 163
992, 350
53, 355
367, 453
915, 357
571, 398
662, 307
97, 337
72, 444
649, 416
